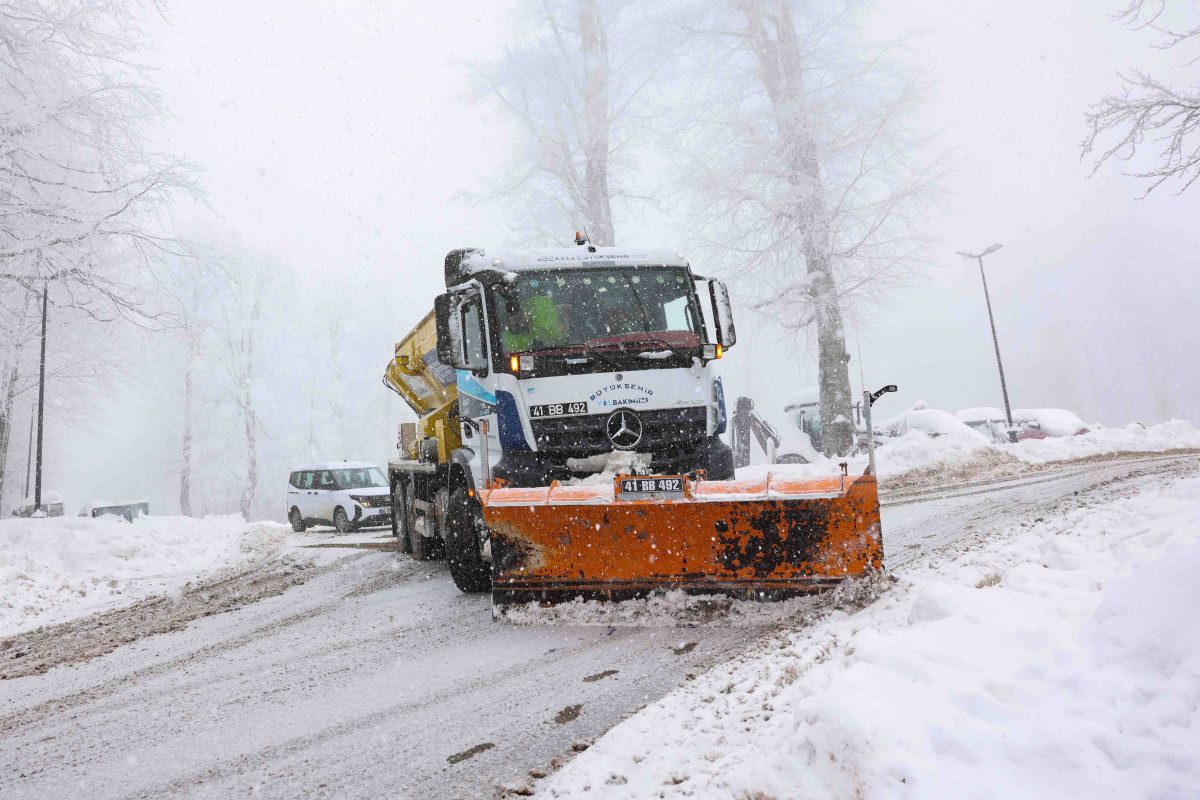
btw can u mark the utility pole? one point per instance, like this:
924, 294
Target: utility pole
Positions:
37, 482
1012, 433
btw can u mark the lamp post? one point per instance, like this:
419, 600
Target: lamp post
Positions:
1012, 433
37, 480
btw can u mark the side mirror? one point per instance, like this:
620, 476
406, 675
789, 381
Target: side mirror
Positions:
722, 314
449, 331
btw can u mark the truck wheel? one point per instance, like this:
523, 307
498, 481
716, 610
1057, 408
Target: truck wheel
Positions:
400, 527
342, 522
296, 520
465, 520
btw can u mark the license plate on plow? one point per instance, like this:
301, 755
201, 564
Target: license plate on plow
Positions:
662, 487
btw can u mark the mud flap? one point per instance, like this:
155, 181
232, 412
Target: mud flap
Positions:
764, 539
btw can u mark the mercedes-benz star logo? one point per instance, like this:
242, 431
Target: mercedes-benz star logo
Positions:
624, 429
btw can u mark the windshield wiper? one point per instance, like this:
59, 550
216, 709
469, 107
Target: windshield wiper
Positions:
647, 340
600, 356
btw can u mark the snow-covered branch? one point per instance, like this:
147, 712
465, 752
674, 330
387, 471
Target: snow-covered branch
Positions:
1150, 112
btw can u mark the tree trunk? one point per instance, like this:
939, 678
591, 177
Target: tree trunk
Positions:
598, 219
9, 394
8, 390
250, 422
781, 67
185, 471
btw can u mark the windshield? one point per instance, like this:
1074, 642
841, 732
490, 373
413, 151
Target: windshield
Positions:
359, 478
560, 308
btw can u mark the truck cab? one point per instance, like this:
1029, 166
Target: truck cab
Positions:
571, 361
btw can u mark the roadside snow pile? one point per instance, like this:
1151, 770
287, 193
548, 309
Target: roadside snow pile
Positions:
1175, 434
917, 459
64, 567
913, 451
1061, 660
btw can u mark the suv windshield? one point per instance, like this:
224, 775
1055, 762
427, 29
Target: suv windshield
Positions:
568, 307
358, 478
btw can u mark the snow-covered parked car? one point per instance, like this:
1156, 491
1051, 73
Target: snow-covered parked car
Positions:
1040, 423
344, 494
991, 422
800, 435
929, 421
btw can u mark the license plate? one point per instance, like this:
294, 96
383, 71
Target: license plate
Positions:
558, 409
653, 485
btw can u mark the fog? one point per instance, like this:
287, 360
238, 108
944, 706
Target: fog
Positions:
337, 140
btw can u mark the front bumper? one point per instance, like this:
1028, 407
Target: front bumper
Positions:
372, 516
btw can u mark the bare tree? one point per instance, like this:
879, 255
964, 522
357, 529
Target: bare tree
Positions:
79, 188
807, 178
574, 85
197, 281
83, 360
1150, 108
239, 332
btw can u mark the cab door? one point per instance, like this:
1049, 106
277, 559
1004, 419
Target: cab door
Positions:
476, 384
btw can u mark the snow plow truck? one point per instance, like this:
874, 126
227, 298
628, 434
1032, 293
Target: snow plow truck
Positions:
568, 441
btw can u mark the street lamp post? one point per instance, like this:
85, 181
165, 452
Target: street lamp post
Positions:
1012, 433
37, 480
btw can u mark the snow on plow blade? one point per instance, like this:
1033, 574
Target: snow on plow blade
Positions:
761, 539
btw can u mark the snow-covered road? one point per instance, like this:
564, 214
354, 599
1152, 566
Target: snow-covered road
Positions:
375, 677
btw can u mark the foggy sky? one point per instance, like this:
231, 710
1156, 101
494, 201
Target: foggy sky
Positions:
337, 136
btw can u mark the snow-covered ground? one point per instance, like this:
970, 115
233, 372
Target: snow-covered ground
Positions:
59, 568
917, 457
1062, 659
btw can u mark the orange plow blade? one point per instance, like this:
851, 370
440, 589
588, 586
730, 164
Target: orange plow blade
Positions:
761, 539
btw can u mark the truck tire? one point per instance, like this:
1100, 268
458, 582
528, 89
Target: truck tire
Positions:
297, 520
400, 527
470, 572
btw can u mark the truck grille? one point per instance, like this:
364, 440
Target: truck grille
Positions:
670, 434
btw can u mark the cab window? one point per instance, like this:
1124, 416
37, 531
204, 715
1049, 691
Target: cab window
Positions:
474, 350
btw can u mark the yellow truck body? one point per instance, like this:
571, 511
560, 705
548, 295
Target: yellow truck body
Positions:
429, 388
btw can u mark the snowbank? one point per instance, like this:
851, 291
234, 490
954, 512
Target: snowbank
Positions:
65, 567
1061, 660
934, 459
1171, 435
912, 451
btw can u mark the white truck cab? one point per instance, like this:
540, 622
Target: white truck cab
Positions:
567, 359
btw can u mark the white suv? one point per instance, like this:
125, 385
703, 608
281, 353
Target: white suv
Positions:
345, 494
